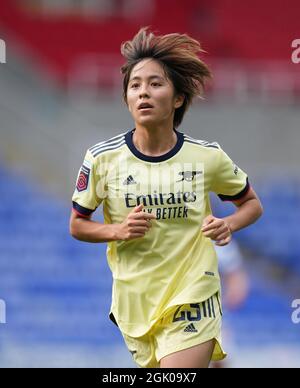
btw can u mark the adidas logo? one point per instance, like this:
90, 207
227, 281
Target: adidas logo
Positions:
129, 181
190, 329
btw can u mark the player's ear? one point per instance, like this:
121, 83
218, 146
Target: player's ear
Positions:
179, 100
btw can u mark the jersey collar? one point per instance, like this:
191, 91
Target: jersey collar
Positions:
155, 159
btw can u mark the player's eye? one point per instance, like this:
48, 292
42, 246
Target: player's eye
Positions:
134, 85
156, 84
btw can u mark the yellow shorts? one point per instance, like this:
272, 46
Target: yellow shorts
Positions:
181, 328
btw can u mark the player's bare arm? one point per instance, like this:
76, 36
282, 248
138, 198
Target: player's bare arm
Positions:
135, 225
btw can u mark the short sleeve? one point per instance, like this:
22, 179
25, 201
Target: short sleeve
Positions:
89, 190
230, 182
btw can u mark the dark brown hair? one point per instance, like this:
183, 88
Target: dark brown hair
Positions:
177, 53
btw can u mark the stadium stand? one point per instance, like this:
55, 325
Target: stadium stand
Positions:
55, 288
72, 47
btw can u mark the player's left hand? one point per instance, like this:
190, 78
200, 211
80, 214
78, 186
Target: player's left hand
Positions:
217, 229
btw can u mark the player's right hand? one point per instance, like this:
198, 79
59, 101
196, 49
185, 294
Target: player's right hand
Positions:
136, 224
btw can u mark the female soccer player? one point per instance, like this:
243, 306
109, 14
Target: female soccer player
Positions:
154, 183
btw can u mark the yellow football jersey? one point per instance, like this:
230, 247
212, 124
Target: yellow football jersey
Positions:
173, 263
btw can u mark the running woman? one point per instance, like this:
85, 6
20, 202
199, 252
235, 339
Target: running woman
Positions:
154, 182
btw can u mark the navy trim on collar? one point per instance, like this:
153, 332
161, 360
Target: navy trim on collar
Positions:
155, 159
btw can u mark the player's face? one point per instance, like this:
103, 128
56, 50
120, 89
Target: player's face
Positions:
151, 95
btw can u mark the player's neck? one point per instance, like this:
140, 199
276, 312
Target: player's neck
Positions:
154, 142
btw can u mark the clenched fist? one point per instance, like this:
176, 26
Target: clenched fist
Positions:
217, 229
135, 225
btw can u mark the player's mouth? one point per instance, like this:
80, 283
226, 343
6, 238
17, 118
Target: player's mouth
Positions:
145, 107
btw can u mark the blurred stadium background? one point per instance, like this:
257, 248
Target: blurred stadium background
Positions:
60, 92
